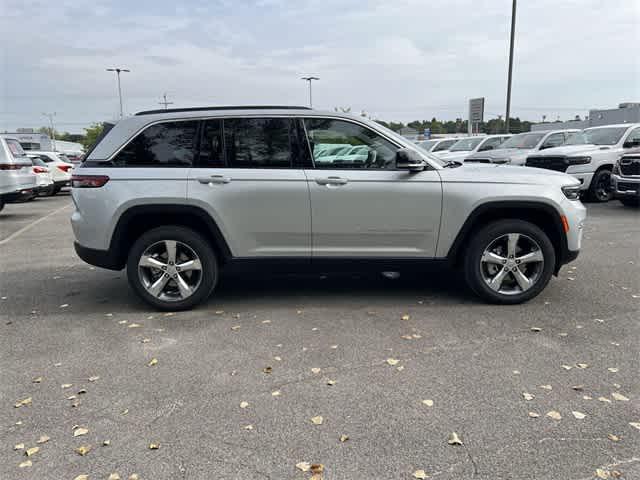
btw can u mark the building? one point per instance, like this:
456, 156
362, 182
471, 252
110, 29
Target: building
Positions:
625, 113
31, 140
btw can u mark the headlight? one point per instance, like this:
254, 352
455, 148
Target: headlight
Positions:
579, 160
616, 168
572, 192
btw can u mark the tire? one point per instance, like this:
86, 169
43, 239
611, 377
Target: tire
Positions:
56, 190
600, 188
46, 193
630, 202
189, 245
1, 204
495, 237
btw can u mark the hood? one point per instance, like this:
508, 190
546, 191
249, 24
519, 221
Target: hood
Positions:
459, 156
500, 173
502, 153
572, 150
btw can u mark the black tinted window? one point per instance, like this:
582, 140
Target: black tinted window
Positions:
259, 142
211, 153
167, 144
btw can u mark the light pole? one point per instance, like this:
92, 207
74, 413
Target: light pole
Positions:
513, 31
118, 70
52, 131
310, 79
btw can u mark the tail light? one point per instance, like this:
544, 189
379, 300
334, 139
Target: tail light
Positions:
10, 166
88, 181
65, 168
40, 170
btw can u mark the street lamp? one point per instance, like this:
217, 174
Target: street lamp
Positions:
118, 70
513, 31
52, 131
310, 79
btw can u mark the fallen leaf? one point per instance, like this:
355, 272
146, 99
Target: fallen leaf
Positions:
145, 340
582, 365
94, 378
124, 412
600, 473
416, 335
400, 368
122, 322
344, 438
534, 414
18, 446
37, 380
516, 372
421, 474
316, 468
64, 305
613, 438
152, 362
555, 415
71, 397
407, 337
333, 347
235, 327
604, 399
563, 334
248, 427
635, 425
578, 415
66, 385
134, 476
316, 370
303, 466
80, 431
244, 404
26, 463
82, 477
428, 402
154, 446
114, 476
619, 397
546, 387
528, 396
57, 364
392, 361
82, 391
331, 382
567, 367
83, 450
275, 393
43, 439
106, 443
617, 385
31, 451
536, 329
267, 370
454, 439
134, 325
317, 420
405, 317
22, 403
266, 321
219, 312
578, 387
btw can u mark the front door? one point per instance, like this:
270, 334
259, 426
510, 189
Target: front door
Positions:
361, 205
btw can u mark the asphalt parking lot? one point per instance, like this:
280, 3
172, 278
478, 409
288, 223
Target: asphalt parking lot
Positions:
333, 347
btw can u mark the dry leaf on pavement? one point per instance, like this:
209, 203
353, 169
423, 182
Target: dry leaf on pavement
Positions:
114, 476
635, 425
82, 477
317, 420
405, 317
134, 476
244, 404
316, 370
316, 468
534, 414
604, 399
152, 362
582, 365
303, 466
37, 380
420, 474
26, 463
546, 387
567, 367
392, 361
22, 403
578, 415
613, 438
454, 439
43, 439
536, 329
344, 438
83, 450
31, 451
94, 378
18, 446
613, 369
428, 402
600, 473
528, 396
619, 397
154, 446
106, 443
275, 393
80, 431
267, 370
331, 382
555, 415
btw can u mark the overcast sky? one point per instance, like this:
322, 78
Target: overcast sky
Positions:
395, 59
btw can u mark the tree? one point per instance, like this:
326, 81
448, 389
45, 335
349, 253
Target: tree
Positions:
91, 135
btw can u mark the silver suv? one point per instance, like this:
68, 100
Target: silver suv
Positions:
177, 196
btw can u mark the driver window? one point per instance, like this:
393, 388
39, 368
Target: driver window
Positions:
554, 140
337, 144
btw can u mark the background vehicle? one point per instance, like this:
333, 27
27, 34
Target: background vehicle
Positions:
61, 169
44, 182
516, 149
625, 179
589, 156
465, 147
244, 196
17, 180
436, 145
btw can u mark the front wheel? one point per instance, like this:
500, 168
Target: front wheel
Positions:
600, 188
172, 268
509, 262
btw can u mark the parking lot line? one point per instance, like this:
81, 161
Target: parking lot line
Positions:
31, 225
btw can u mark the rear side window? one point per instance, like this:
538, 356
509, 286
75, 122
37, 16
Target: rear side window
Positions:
444, 145
259, 142
169, 144
211, 146
15, 148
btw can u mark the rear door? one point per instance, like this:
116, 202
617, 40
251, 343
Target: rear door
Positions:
361, 205
249, 176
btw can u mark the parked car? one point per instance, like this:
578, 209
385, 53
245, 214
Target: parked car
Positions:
625, 179
438, 145
59, 165
466, 147
516, 149
176, 210
44, 181
17, 180
589, 156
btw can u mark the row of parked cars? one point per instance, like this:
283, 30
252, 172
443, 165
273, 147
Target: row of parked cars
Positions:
605, 159
26, 174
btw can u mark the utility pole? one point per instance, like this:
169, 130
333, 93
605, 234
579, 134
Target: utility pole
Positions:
513, 31
118, 70
165, 103
52, 130
310, 79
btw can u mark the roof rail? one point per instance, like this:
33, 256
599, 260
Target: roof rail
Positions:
230, 107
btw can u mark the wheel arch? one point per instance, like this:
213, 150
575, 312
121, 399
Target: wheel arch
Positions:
543, 215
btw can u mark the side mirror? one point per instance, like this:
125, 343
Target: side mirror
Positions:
407, 159
631, 144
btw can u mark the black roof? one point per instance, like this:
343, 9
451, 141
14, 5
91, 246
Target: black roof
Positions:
230, 107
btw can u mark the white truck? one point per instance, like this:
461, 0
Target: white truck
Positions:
589, 156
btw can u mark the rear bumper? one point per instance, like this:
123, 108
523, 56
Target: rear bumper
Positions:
100, 258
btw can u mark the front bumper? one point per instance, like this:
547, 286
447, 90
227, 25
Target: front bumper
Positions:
584, 178
625, 187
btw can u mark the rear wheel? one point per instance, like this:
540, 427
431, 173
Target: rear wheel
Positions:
509, 262
600, 188
630, 202
172, 268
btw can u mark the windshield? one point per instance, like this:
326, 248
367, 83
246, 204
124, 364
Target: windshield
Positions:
597, 136
427, 144
523, 141
466, 144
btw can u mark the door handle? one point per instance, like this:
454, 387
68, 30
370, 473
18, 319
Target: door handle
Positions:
214, 179
332, 181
